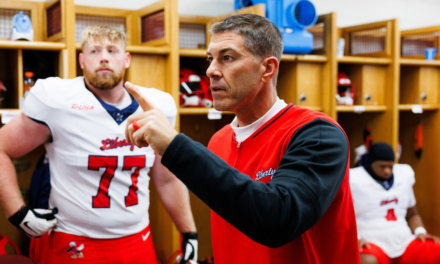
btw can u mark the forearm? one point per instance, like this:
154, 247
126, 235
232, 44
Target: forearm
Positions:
10, 196
175, 199
415, 221
281, 210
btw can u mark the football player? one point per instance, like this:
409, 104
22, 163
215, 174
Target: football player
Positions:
99, 182
389, 227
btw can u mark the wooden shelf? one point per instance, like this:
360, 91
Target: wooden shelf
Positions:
32, 45
193, 53
425, 107
419, 62
197, 111
364, 60
139, 49
315, 108
304, 58
6, 109
368, 108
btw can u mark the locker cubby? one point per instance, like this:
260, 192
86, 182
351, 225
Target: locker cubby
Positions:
419, 84
198, 65
355, 124
43, 64
426, 168
370, 81
10, 77
301, 83
148, 70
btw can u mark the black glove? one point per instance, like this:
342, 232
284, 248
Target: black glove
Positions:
34, 222
189, 248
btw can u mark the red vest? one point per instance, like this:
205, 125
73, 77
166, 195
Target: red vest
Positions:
333, 239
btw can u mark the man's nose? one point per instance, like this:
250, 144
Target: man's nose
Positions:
213, 70
104, 57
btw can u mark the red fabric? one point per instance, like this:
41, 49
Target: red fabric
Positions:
4, 240
417, 252
56, 248
332, 240
377, 252
37, 248
15, 259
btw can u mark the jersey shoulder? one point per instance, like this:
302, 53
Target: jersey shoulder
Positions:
162, 100
56, 89
404, 172
359, 175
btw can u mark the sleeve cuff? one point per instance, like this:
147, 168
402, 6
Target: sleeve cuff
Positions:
173, 149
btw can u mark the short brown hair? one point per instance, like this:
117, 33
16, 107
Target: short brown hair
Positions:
261, 37
98, 32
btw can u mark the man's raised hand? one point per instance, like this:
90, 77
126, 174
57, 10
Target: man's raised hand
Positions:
152, 127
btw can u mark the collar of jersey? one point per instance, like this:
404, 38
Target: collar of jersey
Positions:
387, 184
119, 115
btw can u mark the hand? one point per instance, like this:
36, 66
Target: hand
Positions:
189, 248
363, 243
34, 222
423, 237
154, 128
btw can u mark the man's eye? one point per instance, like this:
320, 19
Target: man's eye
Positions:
209, 59
227, 57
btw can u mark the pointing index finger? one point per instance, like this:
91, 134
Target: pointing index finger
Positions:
143, 102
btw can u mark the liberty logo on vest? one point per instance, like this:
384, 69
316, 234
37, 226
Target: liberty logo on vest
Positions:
263, 174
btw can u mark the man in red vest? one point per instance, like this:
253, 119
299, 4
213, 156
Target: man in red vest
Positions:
276, 178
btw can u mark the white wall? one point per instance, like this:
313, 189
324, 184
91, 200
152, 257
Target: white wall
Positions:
411, 13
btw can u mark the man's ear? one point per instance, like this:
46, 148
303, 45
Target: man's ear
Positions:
81, 60
270, 68
127, 60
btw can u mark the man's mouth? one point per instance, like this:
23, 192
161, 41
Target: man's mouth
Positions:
216, 89
104, 70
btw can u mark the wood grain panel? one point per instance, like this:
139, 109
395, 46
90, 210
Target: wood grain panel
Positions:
147, 71
409, 81
286, 85
309, 83
373, 83
429, 84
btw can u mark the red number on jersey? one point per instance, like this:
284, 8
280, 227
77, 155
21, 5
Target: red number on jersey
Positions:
129, 163
391, 216
102, 200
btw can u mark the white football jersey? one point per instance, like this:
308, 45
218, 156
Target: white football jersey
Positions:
99, 182
380, 213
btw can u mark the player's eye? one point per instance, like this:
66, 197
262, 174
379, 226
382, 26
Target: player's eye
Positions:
209, 59
227, 58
